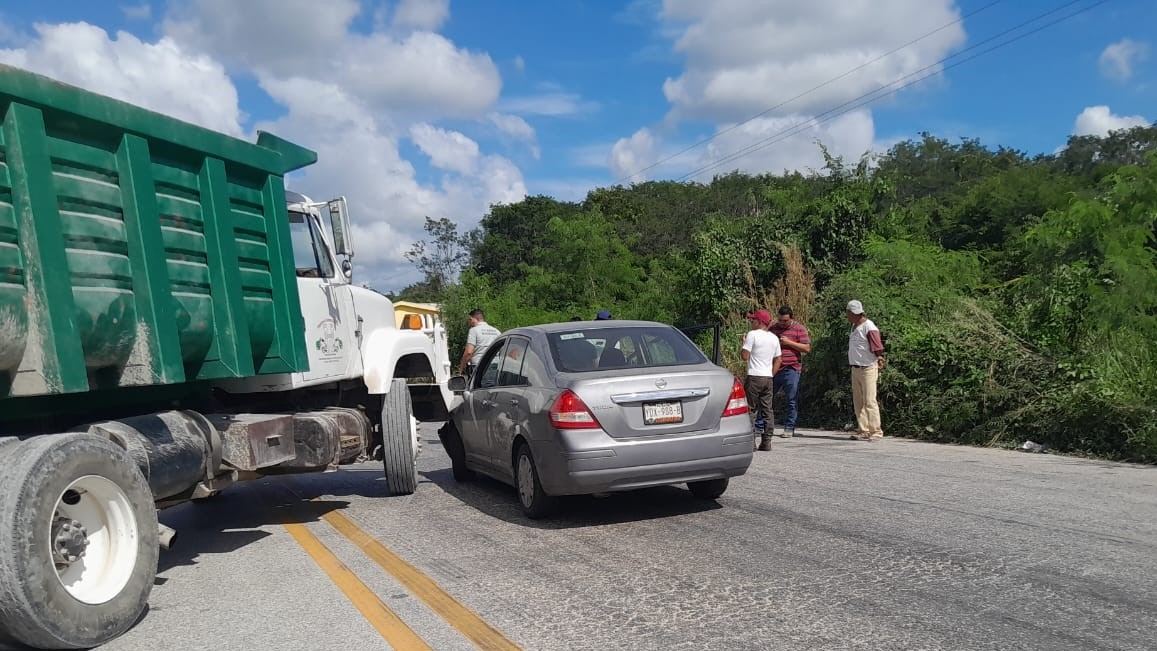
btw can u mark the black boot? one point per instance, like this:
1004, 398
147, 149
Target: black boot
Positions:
765, 443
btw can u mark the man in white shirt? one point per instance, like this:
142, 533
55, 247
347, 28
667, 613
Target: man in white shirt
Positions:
478, 339
762, 352
866, 358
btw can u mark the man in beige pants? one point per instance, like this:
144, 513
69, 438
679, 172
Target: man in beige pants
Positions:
866, 357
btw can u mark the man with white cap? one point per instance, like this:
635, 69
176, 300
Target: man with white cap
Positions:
866, 357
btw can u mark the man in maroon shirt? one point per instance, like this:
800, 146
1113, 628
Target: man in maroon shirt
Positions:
794, 340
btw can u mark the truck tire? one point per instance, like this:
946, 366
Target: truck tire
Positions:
78, 541
399, 440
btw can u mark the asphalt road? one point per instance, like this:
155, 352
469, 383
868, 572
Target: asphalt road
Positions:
825, 544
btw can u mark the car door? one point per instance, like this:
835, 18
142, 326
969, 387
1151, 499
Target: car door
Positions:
509, 403
478, 403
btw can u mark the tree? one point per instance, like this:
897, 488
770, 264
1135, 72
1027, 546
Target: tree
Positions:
1099, 156
442, 256
514, 233
588, 266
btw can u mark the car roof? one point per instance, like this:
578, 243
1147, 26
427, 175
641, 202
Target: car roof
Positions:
565, 326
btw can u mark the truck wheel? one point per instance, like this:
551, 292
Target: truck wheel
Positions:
78, 541
399, 440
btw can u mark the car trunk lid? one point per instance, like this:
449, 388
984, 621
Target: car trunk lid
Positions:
665, 402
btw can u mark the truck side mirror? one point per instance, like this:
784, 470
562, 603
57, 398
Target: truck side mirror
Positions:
339, 216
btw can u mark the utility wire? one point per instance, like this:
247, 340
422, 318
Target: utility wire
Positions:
810, 91
872, 96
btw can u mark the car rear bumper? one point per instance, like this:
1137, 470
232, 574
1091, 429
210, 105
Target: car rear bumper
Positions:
590, 461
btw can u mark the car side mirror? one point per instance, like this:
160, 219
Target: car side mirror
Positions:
457, 384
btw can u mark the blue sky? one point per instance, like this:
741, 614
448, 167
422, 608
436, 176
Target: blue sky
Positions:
441, 108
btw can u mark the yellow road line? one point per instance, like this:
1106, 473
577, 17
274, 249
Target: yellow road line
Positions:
476, 629
393, 629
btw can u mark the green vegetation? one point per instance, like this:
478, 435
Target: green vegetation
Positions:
1017, 295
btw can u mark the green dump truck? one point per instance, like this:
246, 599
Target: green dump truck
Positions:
172, 321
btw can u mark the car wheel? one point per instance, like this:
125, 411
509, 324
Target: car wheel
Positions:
452, 442
534, 501
708, 489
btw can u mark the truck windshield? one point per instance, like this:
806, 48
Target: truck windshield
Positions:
310, 255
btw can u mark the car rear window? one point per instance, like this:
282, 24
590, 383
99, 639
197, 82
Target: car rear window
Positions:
590, 349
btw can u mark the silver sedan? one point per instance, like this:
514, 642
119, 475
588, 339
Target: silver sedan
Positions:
594, 407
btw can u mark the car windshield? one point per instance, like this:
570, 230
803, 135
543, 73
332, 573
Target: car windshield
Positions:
589, 349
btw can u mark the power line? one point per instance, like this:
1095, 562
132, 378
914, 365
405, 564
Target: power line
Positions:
872, 96
810, 91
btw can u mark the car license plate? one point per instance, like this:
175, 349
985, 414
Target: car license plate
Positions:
658, 413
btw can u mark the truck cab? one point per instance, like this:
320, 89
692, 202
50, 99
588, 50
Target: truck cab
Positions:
353, 333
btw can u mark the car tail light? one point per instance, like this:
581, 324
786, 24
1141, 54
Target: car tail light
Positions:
737, 403
570, 412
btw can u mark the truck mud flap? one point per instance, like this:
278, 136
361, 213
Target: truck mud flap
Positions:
429, 406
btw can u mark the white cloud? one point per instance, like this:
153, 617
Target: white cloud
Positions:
512, 125
630, 155
553, 104
788, 63
160, 76
520, 64
787, 143
1118, 60
517, 128
354, 96
1099, 121
421, 73
143, 11
358, 156
283, 37
424, 73
448, 150
767, 144
746, 57
421, 14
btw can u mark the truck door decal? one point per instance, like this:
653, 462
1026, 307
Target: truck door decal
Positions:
326, 341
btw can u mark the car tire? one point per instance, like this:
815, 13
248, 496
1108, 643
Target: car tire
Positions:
78, 541
399, 440
532, 498
708, 489
452, 442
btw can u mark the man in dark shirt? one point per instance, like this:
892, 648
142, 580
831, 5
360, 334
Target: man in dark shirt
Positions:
794, 340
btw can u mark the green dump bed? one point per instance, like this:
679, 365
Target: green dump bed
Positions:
136, 249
